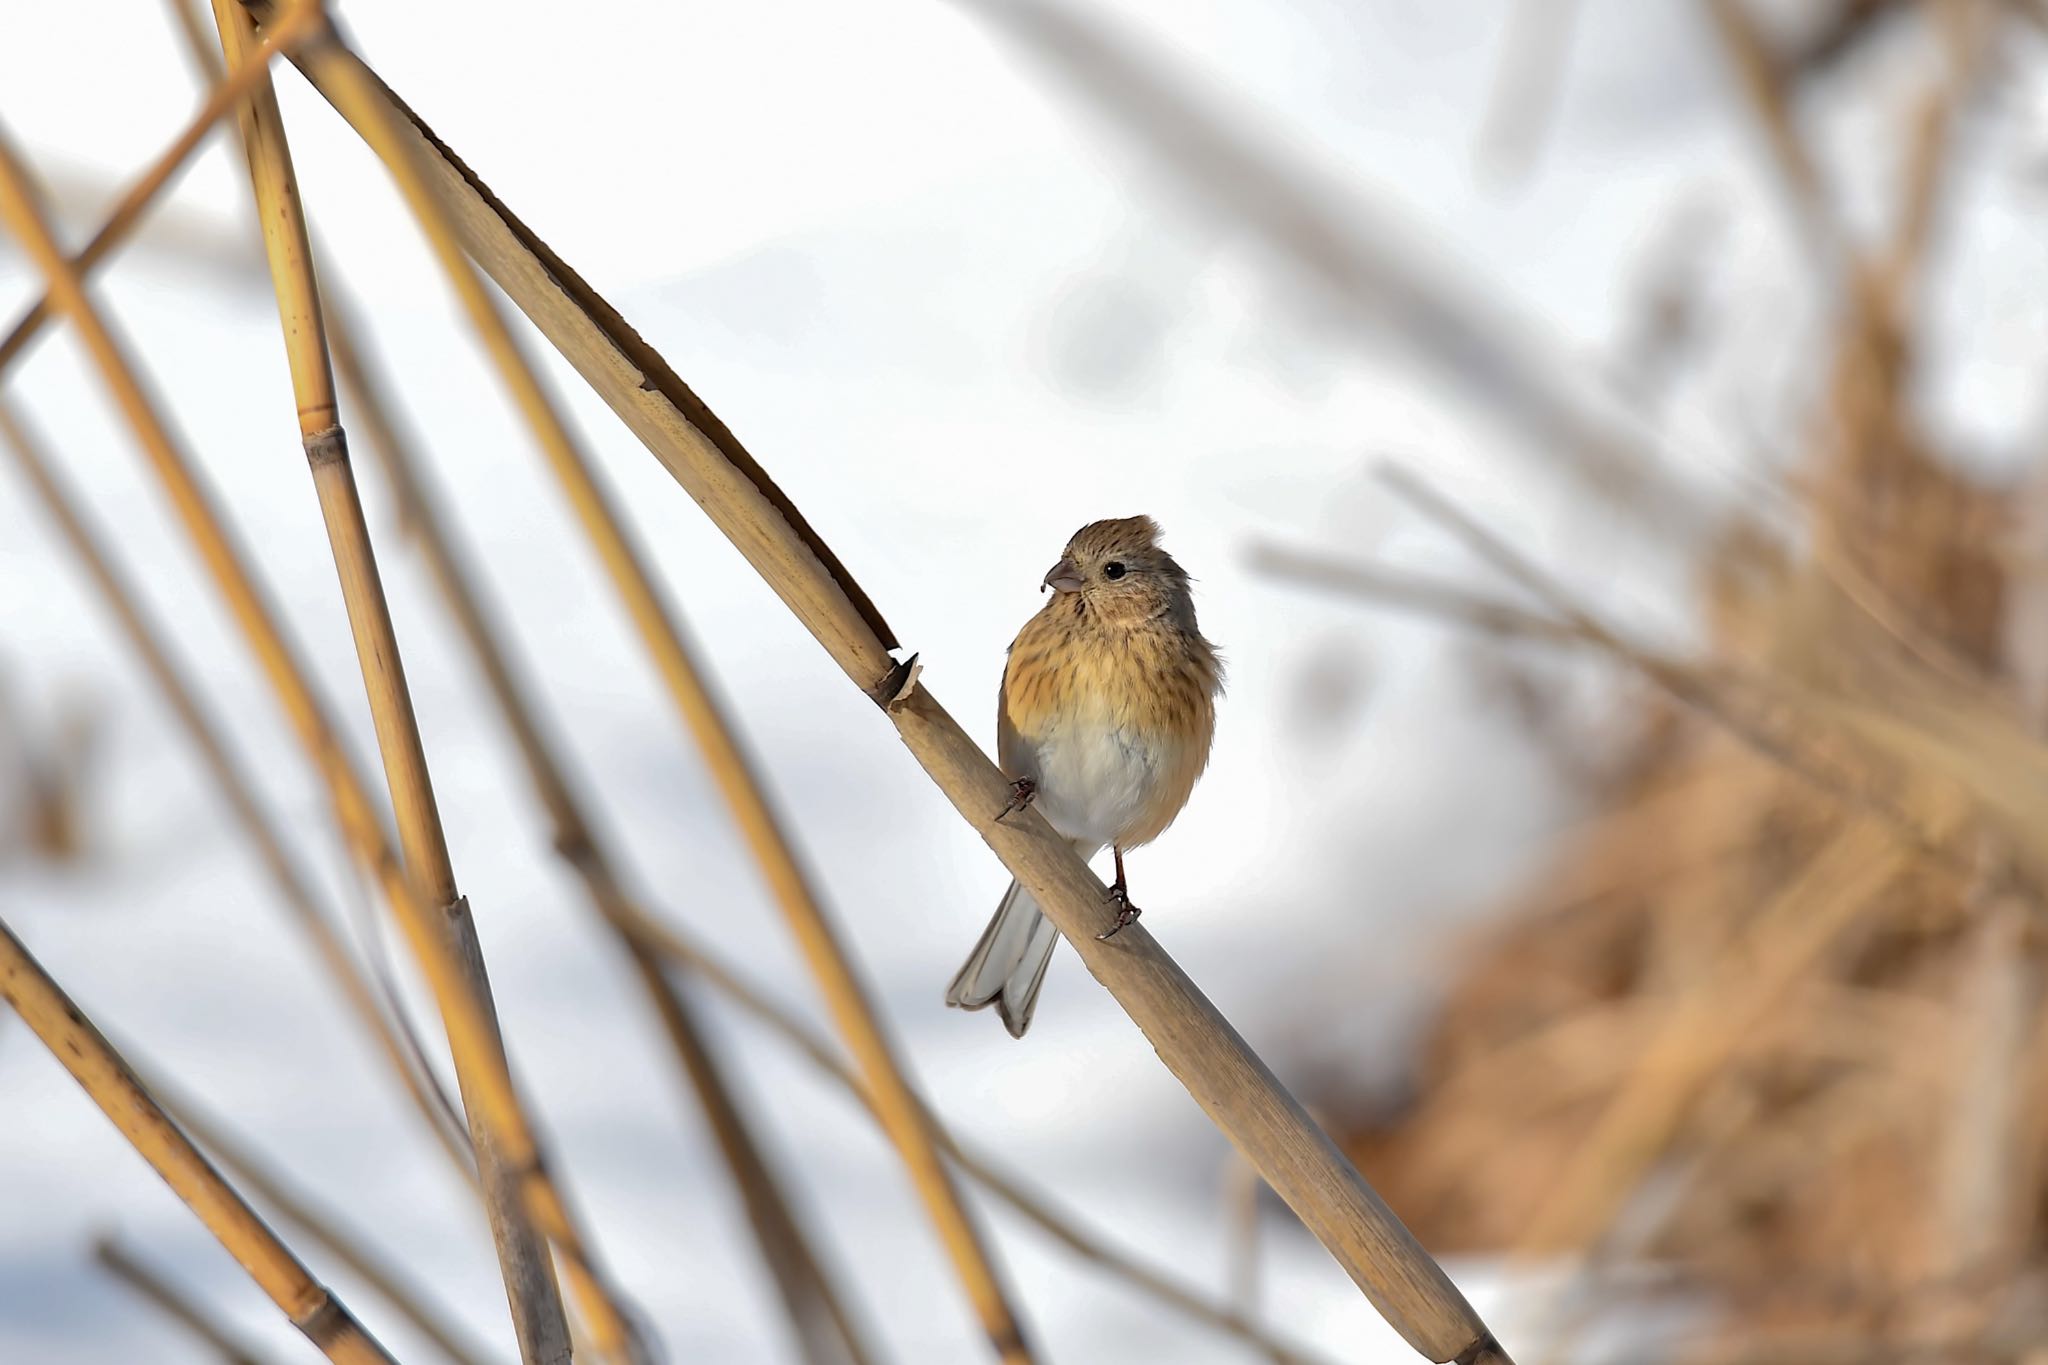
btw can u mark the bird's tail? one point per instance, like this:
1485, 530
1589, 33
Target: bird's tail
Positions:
1008, 966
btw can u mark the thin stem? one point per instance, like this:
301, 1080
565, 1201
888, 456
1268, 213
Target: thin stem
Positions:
73, 1041
538, 1319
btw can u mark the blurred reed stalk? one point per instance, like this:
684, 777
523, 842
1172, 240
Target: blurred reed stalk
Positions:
173, 1303
1222, 1073
175, 679
73, 1041
362, 99
538, 1320
324, 1227
825, 1333
471, 1035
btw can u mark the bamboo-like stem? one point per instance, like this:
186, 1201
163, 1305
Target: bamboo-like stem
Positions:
358, 93
538, 1320
172, 1302
324, 1227
825, 1333
295, 19
1197, 1044
174, 678
471, 1028
72, 1039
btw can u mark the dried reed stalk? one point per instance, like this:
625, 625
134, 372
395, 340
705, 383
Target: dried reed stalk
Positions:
1222, 1073
361, 98
471, 1033
825, 1332
322, 1226
538, 1320
72, 1039
172, 1302
174, 678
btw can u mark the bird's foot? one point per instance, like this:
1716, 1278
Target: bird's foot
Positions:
1021, 792
1126, 913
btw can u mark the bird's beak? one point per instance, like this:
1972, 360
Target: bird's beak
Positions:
1063, 577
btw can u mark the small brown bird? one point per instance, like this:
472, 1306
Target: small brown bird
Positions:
1107, 708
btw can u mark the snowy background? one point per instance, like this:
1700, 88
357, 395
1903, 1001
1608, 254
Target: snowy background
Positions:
956, 315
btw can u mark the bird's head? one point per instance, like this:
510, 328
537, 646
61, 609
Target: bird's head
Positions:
1117, 571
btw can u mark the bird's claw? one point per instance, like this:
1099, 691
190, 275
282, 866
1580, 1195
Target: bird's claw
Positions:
1126, 913
1021, 792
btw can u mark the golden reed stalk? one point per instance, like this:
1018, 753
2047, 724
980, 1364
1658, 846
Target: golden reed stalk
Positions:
72, 1040
538, 1321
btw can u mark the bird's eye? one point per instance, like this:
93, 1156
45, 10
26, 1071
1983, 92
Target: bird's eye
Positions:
1113, 569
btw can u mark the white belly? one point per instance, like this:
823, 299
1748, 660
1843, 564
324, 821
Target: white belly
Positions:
1094, 782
